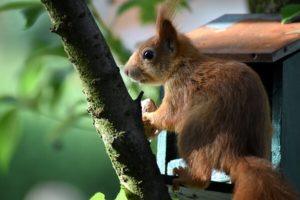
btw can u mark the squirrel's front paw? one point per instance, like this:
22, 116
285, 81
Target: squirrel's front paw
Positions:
185, 178
146, 118
148, 107
150, 130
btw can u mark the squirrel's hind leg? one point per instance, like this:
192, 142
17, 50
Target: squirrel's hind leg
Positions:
197, 174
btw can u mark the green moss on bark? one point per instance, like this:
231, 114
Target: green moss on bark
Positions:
109, 136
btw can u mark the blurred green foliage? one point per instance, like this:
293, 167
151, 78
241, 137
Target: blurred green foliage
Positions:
147, 8
9, 137
30, 10
45, 131
290, 13
266, 6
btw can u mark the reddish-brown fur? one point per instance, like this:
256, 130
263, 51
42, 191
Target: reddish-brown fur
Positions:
218, 108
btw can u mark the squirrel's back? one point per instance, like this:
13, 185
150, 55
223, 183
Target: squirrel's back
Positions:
225, 100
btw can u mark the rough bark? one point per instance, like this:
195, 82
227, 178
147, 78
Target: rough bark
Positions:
116, 116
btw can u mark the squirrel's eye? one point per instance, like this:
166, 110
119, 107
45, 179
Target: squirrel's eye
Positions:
148, 55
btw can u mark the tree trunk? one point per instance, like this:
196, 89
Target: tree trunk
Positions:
116, 116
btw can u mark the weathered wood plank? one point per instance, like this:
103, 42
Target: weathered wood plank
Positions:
247, 38
193, 194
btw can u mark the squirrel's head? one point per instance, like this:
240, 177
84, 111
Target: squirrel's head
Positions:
152, 62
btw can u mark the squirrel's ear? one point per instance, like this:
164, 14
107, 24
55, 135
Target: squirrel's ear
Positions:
167, 34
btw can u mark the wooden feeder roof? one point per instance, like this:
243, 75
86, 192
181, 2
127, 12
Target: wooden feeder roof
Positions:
248, 38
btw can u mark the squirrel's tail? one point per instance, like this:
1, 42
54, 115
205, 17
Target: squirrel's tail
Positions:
255, 179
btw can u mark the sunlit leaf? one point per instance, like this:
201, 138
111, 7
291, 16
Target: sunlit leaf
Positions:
121, 195
18, 5
98, 196
31, 14
289, 12
10, 134
134, 89
30, 78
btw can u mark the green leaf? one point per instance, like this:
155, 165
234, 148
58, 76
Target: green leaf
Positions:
134, 89
147, 8
31, 14
56, 82
148, 12
30, 10
30, 77
57, 50
121, 195
289, 12
10, 134
18, 5
31, 74
128, 5
185, 4
98, 196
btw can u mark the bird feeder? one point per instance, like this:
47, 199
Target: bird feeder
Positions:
272, 49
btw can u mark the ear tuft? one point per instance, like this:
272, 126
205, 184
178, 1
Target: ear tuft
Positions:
165, 13
167, 10
166, 32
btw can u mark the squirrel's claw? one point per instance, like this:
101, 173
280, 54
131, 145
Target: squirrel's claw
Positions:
185, 178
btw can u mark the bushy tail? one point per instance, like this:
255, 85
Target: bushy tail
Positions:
255, 179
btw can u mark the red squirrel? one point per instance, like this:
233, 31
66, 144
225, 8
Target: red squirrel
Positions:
218, 108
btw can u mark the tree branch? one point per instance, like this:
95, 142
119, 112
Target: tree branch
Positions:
116, 116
